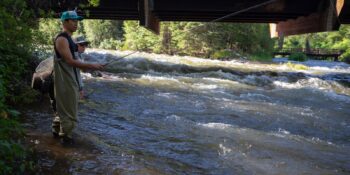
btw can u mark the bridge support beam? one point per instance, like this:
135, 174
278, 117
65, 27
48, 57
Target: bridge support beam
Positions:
324, 20
147, 19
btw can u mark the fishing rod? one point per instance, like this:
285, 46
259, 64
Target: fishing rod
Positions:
117, 59
235, 13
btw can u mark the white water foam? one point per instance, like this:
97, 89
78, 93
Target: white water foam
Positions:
255, 96
330, 88
317, 66
220, 126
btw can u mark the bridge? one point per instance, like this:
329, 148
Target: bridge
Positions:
317, 53
287, 17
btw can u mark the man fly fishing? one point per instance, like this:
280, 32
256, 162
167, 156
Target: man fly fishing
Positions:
66, 78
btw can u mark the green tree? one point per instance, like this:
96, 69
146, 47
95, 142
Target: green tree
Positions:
47, 30
15, 48
324, 40
199, 39
139, 38
98, 31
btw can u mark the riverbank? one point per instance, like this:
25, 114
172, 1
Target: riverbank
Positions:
50, 156
87, 156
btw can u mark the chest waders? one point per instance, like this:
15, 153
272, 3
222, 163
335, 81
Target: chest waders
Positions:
66, 90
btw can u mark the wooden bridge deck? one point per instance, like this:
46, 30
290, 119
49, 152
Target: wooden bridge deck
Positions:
290, 16
315, 53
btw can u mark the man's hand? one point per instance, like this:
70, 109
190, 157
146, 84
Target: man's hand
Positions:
96, 66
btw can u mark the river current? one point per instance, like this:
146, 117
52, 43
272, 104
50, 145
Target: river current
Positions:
160, 114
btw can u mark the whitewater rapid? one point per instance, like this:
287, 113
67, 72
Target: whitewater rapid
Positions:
161, 114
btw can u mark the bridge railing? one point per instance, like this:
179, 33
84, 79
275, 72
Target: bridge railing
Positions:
313, 51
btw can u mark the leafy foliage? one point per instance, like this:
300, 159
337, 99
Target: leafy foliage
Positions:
111, 44
47, 30
139, 38
326, 40
199, 39
15, 159
223, 54
298, 56
297, 66
94, 3
15, 48
98, 31
262, 56
15, 39
345, 57
182, 38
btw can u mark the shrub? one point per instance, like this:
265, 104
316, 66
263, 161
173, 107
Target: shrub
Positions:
16, 44
2, 96
15, 158
223, 54
262, 56
111, 44
297, 66
345, 57
298, 57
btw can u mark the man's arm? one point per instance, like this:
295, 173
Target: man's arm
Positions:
62, 47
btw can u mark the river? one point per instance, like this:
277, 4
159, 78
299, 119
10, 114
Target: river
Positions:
159, 114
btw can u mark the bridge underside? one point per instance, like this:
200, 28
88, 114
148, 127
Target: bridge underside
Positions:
290, 16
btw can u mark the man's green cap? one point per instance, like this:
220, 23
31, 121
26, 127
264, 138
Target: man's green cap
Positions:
70, 15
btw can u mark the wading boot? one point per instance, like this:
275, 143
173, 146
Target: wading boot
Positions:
66, 141
56, 126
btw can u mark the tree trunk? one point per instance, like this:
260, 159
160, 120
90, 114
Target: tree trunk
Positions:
280, 42
307, 44
166, 43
